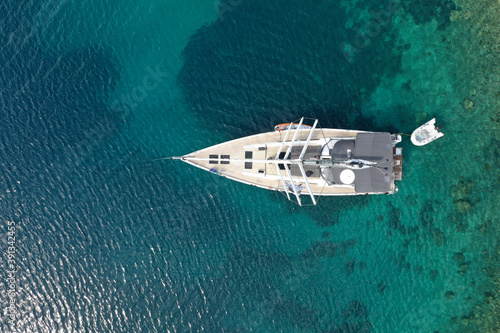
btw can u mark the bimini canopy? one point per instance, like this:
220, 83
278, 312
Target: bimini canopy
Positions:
374, 147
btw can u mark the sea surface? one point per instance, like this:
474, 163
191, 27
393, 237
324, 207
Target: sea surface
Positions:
100, 234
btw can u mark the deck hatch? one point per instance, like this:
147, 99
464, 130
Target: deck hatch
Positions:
225, 157
248, 165
248, 155
213, 159
281, 156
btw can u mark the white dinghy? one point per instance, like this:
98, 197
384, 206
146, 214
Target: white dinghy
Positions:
426, 133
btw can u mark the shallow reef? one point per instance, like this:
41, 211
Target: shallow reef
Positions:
461, 190
321, 249
356, 309
298, 315
353, 327
424, 11
381, 287
484, 316
395, 221
434, 274
349, 267
427, 215
459, 257
450, 295
438, 237
463, 203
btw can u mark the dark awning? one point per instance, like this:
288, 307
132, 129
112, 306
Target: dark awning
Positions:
374, 179
374, 147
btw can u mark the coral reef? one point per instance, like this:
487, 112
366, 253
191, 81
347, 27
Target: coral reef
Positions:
427, 215
438, 237
485, 227
355, 327
462, 202
484, 316
355, 309
461, 227
395, 221
299, 315
421, 117
449, 295
355, 320
496, 117
425, 11
434, 274
461, 190
349, 267
468, 103
326, 249
463, 268
463, 206
492, 151
381, 288
459, 257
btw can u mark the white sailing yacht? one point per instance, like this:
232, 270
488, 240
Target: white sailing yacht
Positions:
303, 160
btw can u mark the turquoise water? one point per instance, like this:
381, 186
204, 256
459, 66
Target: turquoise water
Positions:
109, 238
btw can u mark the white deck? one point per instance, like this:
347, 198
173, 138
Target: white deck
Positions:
232, 160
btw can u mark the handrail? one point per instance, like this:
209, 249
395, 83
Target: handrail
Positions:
307, 183
308, 140
286, 137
